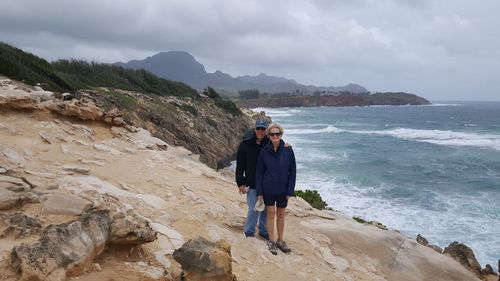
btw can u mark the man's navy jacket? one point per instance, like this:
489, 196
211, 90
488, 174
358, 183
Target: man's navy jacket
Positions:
246, 159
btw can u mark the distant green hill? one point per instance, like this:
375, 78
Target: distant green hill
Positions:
72, 75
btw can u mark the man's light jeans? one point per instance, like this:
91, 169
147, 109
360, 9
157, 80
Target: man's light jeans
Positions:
253, 216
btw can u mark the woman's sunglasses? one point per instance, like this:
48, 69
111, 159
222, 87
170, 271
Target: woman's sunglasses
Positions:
275, 134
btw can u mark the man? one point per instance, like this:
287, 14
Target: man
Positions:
246, 163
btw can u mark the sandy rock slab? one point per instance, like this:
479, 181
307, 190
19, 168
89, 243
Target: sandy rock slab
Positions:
65, 204
12, 200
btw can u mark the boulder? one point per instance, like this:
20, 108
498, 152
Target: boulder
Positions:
63, 250
464, 255
488, 269
422, 241
118, 120
130, 229
205, 260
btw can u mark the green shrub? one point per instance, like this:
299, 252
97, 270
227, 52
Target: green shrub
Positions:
226, 105
189, 108
211, 93
360, 220
312, 197
112, 99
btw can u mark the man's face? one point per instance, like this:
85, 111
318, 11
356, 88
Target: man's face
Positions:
260, 132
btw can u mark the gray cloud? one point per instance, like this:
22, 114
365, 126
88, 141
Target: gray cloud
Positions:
438, 49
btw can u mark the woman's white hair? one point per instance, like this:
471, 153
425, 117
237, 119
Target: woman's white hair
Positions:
275, 125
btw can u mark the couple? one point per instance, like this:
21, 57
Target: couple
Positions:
266, 170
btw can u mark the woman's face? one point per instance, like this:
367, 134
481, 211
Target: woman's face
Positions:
275, 135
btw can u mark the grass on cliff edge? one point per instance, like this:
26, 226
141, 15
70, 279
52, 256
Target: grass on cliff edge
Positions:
73, 75
312, 197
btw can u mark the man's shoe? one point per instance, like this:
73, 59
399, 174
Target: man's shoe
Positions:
272, 248
283, 247
264, 236
249, 235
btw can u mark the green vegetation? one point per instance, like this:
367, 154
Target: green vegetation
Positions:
30, 69
360, 220
249, 94
312, 197
227, 105
189, 108
83, 75
72, 75
112, 99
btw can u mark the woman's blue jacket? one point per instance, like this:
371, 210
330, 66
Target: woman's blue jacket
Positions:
276, 171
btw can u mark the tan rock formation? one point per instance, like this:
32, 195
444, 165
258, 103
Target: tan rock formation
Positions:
204, 260
464, 255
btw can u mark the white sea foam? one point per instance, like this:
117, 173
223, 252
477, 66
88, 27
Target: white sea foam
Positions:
441, 227
443, 104
304, 131
441, 137
282, 112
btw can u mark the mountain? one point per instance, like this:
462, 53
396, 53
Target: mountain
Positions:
182, 66
175, 65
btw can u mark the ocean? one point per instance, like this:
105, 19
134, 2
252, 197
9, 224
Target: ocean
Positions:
431, 170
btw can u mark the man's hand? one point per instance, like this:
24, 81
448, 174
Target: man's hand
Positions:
287, 145
242, 189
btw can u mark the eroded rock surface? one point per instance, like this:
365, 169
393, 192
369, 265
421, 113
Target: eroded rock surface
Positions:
205, 260
464, 255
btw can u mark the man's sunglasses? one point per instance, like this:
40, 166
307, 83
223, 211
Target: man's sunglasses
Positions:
275, 134
260, 129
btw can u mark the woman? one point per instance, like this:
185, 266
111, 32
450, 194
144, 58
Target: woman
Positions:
275, 183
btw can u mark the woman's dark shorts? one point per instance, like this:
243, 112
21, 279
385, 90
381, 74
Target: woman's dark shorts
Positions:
279, 200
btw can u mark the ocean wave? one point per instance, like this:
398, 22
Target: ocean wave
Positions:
441, 218
277, 112
304, 131
440, 137
443, 104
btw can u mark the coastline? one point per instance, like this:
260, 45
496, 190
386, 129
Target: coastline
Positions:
61, 160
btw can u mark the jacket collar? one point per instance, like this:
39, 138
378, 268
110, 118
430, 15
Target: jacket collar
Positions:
269, 145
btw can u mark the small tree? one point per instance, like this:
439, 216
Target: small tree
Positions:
211, 93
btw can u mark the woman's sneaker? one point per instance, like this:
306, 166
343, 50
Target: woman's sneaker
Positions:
272, 248
283, 247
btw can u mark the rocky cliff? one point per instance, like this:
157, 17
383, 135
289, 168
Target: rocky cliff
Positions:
96, 200
336, 100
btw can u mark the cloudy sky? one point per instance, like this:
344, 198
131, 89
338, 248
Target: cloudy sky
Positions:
441, 49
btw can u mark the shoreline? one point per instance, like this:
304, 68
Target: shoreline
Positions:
442, 241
